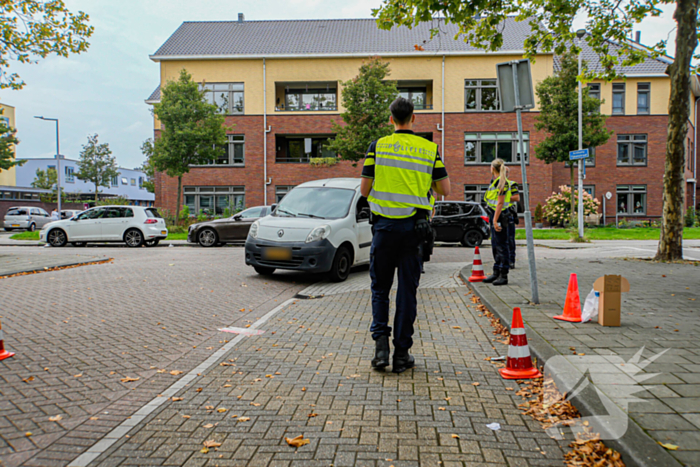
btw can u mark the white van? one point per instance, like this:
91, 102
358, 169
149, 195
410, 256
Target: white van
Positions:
320, 226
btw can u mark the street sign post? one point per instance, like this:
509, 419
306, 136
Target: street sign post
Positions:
580, 154
515, 88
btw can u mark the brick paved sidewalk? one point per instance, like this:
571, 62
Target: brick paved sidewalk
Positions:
309, 374
660, 312
19, 262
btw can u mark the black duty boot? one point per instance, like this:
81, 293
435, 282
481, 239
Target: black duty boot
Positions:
512, 266
496, 274
402, 361
381, 353
502, 279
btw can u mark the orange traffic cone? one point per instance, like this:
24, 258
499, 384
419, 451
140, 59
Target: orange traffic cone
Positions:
572, 305
4, 353
518, 362
477, 268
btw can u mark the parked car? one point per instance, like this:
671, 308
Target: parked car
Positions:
320, 226
28, 218
460, 221
133, 225
231, 229
68, 213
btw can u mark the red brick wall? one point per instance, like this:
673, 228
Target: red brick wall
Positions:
542, 178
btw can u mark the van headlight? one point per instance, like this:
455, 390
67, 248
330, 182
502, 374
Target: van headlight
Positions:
319, 233
254, 227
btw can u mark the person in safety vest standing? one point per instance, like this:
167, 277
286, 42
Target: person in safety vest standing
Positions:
398, 173
498, 200
513, 221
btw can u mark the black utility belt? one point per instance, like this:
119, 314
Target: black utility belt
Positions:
505, 213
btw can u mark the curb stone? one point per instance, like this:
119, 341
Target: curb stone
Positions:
637, 448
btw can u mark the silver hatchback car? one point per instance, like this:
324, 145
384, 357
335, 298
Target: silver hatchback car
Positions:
25, 218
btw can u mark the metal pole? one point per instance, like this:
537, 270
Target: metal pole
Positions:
604, 199
580, 146
58, 167
526, 192
264, 134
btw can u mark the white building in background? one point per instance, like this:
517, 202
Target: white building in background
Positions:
129, 183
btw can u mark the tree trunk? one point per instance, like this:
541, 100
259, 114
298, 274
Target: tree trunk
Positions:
96, 194
179, 197
572, 217
671, 240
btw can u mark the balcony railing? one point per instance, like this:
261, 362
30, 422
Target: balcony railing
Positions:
306, 108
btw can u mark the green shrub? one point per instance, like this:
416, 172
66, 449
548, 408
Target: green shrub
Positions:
539, 214
623, 224
323, 161
202, 216
558, 206
690, 217
227, 212
177, 229
118, 201
184, 213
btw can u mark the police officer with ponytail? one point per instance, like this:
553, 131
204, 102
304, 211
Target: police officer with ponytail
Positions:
398, 173
498, 200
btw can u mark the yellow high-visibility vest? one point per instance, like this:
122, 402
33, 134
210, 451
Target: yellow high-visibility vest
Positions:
403, 175
491, 196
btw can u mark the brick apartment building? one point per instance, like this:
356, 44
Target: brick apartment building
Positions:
279, 84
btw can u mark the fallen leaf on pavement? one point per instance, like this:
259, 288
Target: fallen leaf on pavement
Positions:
186, 416
29, 433
243, 419
311, 415
94, 418
441, 408
455, 436
456, 327
208, 425
255, 404
221, 410
176, 372
209, 407
475, 384
297, 442
670, 447
227, 385
161, 371
129, 379
211, 444
55, 418
26, 380
175, 399
204, 450
78, 375
199, 389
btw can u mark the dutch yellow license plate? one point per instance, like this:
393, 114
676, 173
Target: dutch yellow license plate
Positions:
15, 225
163, 232
277, 254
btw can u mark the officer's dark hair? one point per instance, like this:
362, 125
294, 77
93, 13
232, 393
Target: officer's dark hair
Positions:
401, 110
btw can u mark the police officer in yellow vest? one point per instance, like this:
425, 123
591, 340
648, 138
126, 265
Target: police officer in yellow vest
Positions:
398, 173
498, 200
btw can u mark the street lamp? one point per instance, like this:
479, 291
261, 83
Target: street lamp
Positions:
579, 35
58, 161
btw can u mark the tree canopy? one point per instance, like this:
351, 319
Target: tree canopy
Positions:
366, 99
33, 29
8, 140
192, 133
96, 164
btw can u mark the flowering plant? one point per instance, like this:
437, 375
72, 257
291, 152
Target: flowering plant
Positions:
557, 208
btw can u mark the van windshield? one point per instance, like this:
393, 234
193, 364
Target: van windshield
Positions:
316, 202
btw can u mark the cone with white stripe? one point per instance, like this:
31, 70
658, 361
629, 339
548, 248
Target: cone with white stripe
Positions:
518, 363
477, 268
4, 353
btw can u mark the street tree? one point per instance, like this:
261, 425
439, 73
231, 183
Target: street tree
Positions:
8, 140
558, 118
192, 132
608, 22
96, 164
46, 180
147, 167
34, 29
366, 100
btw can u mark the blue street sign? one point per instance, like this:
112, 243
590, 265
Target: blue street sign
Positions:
580, 154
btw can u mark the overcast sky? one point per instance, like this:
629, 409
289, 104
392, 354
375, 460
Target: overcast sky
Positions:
103, 90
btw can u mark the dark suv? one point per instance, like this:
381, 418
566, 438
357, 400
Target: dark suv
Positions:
460, 221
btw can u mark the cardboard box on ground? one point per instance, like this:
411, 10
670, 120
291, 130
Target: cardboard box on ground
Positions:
610, 302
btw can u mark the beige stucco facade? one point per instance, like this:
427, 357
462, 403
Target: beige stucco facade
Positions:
7, 177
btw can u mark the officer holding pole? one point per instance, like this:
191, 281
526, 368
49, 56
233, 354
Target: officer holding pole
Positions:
398, 173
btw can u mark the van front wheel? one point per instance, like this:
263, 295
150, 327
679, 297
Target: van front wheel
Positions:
341, 265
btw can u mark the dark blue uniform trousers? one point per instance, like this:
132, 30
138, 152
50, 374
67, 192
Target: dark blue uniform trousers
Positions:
392, 250
500, 246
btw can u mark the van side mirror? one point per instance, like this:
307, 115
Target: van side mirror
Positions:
237, 217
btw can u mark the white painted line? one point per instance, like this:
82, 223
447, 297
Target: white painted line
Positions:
685, 255
113, 436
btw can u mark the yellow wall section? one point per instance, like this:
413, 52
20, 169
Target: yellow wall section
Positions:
421, 67
7, 177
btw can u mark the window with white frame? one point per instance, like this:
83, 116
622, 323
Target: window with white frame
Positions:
125, 181
475, 193
213, 200
632, 200
481, 95
618, 105
483, 148
115, 181
631, 150
228, 97
643, 98
70, 177
281, 191
233, 154
141, 183
133, 182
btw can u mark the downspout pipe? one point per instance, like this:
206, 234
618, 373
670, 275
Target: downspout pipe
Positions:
264, 133
695, 155
442, 116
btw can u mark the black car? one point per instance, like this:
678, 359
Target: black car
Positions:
460, 221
